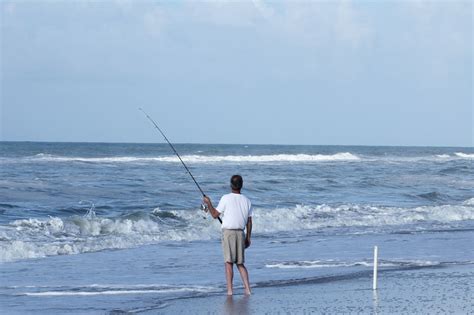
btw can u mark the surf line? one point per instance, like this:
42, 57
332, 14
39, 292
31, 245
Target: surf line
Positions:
177, 154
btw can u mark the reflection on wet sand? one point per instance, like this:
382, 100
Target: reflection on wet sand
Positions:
236, 305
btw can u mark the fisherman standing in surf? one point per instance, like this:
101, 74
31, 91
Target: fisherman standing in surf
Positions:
237, 216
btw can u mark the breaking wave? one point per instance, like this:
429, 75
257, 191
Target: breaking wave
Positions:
308, 264
343, 156
114, 290
36, 238
469, 202
268, 158
326, 216
464, 155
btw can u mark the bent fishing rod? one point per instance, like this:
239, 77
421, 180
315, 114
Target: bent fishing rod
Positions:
177, 154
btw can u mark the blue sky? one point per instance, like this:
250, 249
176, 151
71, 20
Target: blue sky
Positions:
335, 72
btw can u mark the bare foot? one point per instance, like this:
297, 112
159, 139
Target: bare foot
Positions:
229, 293
248, 292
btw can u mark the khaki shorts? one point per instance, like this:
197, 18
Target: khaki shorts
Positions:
233, 246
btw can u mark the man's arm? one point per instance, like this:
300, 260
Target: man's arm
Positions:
213, 211
248, 232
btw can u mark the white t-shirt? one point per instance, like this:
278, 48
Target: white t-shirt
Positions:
236, 209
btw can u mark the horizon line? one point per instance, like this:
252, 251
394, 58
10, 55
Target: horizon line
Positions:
243, 144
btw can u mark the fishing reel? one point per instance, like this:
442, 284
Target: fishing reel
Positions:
205, 209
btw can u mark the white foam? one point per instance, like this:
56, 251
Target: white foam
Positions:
269, 158
305, 264
415, 159
469, 202
35, 238
464, 155
53, 225
111, 292
324, 216
121, 290
69, 293
344, 156
113, 159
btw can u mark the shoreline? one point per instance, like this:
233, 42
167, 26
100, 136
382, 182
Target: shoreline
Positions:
424, 290
421, 273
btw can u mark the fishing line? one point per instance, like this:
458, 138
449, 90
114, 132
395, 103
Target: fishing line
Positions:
177, 154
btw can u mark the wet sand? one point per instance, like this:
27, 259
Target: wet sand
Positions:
428, 290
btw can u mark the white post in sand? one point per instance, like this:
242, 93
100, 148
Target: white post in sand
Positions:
374, 287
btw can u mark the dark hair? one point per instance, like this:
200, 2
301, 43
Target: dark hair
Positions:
236, 182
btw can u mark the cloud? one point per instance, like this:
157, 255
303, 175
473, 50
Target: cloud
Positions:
265, 10
9, 7
154, 21
440, 35
318, 24
446, 21
349, 25
238, 14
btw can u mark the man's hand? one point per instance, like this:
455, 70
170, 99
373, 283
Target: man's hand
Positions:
247, 243
207, 201
248, 235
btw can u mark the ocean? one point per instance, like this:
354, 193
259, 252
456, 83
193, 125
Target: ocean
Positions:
109, 227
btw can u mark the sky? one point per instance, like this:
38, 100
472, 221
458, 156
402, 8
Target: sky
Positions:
250, 72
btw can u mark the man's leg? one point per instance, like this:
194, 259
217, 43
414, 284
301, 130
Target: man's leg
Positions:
245, 277
229, 275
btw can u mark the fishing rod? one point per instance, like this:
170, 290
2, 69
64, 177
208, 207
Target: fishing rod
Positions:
177, 154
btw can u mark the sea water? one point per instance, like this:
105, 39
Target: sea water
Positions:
93, 227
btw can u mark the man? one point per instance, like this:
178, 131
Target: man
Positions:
237, 215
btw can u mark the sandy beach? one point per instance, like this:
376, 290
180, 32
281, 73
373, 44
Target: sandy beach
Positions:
429, 290
436, 275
